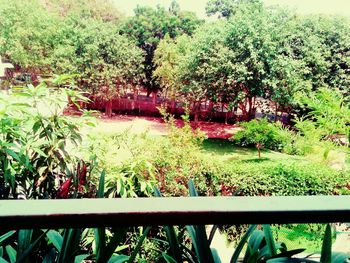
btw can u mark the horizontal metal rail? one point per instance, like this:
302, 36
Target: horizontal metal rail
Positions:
22, 214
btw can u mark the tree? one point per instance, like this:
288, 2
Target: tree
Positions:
204, 66
37, 37
174, 8
165, 60
225, 8
104, 10
149, 26
334, 35
27, 33
259, 133
107, 63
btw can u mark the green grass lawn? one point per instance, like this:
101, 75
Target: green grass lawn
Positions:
228, 151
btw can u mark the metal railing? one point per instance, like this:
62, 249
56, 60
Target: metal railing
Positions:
23, 214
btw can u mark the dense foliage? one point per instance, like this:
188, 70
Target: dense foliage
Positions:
257, 52
149, 26
299, 64
35, 137
259, 133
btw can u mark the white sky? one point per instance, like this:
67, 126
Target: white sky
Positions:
341, 7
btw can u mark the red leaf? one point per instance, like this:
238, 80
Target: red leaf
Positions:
82, 174
64, 188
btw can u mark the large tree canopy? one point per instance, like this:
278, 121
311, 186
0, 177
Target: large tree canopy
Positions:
27, 33
255, 52
258, 52
226, 8
150, 25
96, 9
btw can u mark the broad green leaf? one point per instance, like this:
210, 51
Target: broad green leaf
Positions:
24, 241
256, 239
70, 244
203, 244
254, 244
253, 257
13, 154
50, 257
192, 188
168, 258
270, 240
212, 233
118, 259
173, 243
12, 253
193, 236
241, 243
157, 193
101, 185
7, 235
39, 151
118, 236
55, 238
30, 247
338, 257
216, 256
171, 235
100, 243
326, 252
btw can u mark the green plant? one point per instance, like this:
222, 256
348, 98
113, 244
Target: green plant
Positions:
256, 245
35, 140
261, 134
271, 178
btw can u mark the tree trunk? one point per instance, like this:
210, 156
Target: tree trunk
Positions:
136, 95
196, 106
154, 98
258, 146
108, 108
250, 102
211, 106
235, 113
276, 107
173, 105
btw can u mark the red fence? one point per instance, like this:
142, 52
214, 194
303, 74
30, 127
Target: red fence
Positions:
145, 106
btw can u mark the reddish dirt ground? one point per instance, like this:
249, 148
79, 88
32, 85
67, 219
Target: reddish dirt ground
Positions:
157, 126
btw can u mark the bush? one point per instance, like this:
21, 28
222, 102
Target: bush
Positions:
293, 178
261, 134
128, 172
328, 117
34, 138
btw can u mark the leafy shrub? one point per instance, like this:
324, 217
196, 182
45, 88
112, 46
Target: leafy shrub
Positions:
34, 139
293, 178
128, 173
328, 116
328, 111
261, 134
175, 158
